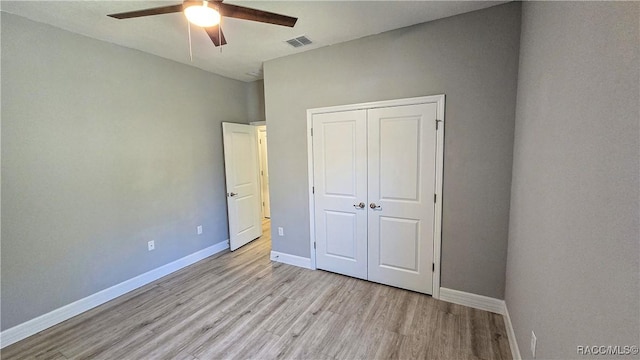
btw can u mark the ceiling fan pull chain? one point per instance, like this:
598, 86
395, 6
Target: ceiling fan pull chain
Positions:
189, 31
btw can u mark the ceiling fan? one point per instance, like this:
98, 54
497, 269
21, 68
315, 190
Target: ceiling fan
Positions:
207, 14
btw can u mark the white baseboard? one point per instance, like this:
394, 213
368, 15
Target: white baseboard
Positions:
472, 300
515, 351
488, 304
66, 312
291, 259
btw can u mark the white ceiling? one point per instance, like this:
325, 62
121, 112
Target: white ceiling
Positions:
249, 43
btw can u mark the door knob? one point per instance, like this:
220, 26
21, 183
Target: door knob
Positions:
232, 194
361, 205
374, 206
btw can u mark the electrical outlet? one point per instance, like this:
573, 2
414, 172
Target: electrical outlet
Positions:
533, 344
151, 245
280, 231
199, 229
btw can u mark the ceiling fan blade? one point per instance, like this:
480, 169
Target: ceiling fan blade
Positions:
213, 34
148, 12
245, 13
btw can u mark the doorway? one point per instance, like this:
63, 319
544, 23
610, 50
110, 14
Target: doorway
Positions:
246, 173
264, 171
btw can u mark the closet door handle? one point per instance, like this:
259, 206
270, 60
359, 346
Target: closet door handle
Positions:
232, 194
361, 205
374, 206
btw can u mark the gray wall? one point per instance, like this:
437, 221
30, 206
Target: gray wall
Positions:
573, 265
103, 149
255, 101
473, 59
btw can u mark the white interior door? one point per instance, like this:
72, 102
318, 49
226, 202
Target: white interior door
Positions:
340, 175
264, 171
243, 183
401, 188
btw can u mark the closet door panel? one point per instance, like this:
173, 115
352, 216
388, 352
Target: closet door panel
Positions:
401, 185
340, 181
402, 253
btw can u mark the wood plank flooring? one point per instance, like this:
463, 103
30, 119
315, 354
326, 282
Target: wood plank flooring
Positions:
240, 305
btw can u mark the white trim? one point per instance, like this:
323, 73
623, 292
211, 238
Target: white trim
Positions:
472, 300
379, 104
513, 344
437, 221
312, 205
437, 238
61, 314
258, 123
291, 259
261, 169
488, 304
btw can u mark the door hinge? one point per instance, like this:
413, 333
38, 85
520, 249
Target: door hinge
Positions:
311, 131
435, 197
433, 267
437, 121
314, 244
260, 141
313, 189
261, 172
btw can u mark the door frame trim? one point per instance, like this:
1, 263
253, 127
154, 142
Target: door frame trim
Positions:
261, 168
437, 229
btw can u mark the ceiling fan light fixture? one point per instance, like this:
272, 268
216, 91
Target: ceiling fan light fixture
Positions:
202, 15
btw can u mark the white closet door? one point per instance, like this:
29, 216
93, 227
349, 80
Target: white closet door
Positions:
401, 187
340, 175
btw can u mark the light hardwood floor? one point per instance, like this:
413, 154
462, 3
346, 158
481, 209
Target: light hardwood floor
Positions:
241, 305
